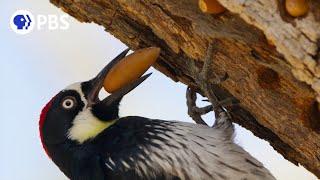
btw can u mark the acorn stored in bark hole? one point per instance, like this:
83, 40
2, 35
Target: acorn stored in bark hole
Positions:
297, 8
211, 6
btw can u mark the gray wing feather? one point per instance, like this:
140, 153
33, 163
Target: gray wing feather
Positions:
171, 149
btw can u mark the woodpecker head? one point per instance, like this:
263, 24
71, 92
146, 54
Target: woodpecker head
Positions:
76, 113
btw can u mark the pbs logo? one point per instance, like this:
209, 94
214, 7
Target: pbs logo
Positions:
22, 22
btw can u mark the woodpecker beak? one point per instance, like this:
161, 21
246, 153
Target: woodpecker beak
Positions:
123, 73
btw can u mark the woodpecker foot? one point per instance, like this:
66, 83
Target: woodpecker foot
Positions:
206, 74
205, 78
228, 102
194, 111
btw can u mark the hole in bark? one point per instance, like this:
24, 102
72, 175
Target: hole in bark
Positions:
284, 14
268, 78
316, 57
314, 118
255, 54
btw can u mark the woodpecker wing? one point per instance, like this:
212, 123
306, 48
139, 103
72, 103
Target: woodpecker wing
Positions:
140, 148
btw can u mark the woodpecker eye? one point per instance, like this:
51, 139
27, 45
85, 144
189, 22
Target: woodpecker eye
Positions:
68, 102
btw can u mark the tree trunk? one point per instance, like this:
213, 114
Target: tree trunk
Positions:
271, 58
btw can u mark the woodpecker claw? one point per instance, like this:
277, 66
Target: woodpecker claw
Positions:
194, 111
228, 102
219, 80
204, 78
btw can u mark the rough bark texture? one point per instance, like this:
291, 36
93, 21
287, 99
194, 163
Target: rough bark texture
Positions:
277, 85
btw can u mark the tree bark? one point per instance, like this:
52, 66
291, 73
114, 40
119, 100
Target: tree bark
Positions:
271, 58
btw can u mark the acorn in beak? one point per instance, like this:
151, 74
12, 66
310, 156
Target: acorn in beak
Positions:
120, 76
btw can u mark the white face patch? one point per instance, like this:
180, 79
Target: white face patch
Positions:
85, 125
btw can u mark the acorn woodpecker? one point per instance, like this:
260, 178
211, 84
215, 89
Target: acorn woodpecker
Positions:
85, 137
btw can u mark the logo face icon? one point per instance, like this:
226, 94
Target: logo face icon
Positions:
22, 22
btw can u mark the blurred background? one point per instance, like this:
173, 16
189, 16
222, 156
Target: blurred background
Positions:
36, 66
